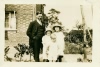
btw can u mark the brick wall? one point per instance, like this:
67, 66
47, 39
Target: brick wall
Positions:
24, 14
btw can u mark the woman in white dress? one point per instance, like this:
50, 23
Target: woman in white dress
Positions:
60, 40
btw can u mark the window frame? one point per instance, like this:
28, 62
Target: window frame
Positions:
9, 17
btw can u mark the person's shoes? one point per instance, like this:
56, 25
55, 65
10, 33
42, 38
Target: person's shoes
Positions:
60, 58
47, 60
37, 60
43, 60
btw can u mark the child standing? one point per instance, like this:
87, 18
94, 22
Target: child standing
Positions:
45, 41
60, 40
53, 49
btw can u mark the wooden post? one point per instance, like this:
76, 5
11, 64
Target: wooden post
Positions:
84, 26
92, 10
84, 31
90, 34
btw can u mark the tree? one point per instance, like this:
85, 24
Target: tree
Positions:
53, 16
79, 26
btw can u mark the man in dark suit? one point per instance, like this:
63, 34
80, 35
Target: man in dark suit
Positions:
35, 32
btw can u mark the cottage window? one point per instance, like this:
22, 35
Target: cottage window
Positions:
10, 20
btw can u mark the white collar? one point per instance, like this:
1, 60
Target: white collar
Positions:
39, 22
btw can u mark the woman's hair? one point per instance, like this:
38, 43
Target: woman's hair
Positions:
47, 31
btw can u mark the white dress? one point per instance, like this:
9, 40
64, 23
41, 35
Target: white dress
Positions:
53, 51
45, 41
60, 41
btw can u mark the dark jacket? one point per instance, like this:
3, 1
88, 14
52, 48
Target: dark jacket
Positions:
35, 30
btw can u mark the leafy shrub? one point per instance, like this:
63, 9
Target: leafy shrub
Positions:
22, 50
75, 36
6, 50
72, 48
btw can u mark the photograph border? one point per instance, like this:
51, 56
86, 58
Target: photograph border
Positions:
96, 36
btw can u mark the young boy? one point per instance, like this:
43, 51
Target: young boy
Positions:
45, 40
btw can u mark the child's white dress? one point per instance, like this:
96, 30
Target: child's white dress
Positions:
60, 40
45, 41
53, 51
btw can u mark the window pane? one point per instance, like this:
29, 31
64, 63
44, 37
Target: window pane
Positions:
6, 15
13, 23
7, 23
10, 20
6, 35
12, 15
6, 20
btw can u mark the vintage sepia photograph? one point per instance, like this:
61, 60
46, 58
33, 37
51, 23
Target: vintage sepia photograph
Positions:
48, 33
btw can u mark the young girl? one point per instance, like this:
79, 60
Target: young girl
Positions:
60, 40
45, 41
53, 49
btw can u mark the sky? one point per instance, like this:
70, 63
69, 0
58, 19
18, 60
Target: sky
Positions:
70, 14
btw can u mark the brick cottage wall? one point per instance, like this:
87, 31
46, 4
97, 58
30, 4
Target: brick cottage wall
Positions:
24, 15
